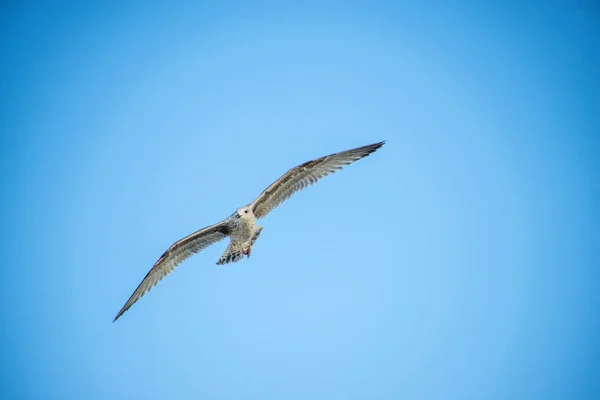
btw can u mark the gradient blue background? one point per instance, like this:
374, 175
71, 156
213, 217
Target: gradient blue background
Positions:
458, 262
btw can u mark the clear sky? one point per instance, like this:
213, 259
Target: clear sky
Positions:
461, 261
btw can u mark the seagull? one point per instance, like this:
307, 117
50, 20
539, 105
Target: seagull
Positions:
241, 226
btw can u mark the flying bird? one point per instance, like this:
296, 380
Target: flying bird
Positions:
241, 226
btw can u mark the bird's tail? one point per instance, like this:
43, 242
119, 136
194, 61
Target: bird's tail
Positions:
235, 252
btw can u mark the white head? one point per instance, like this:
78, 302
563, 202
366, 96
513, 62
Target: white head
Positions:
245, 212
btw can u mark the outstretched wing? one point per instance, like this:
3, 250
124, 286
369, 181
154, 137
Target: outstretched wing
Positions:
305, 175
177, 253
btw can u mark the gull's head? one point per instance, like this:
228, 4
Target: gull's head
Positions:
245, 212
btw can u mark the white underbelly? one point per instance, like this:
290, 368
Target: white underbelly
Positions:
242, 231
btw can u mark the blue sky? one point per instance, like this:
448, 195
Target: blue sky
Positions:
459, 261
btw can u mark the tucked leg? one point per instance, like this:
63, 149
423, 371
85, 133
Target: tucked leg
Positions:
248, 250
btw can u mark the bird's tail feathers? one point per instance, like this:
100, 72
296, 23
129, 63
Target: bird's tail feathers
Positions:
235, 252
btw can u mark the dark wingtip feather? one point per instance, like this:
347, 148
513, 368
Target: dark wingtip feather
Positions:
378, 145
120, 313
370, 148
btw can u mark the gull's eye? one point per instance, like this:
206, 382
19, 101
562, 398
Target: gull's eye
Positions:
246, 212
